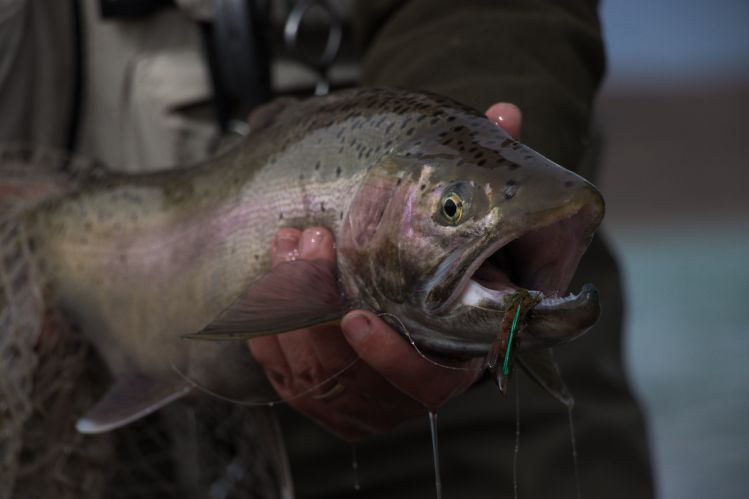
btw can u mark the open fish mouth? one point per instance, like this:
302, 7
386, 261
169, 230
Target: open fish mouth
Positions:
541, 261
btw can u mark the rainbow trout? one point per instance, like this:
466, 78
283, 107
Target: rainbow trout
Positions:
440, 219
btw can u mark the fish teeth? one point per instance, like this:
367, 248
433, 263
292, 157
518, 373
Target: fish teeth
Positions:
475, 295
553, 301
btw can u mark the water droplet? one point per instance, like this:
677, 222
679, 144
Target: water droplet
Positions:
570, 406
435, 453
355, 468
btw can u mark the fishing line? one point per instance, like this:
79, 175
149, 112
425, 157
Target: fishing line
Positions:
578, 488
254, 403
422, 354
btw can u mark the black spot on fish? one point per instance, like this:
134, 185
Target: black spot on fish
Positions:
511, 183
481, 162
506, 142
257, 257
340, 216
569, 183
398, 182
513, 166
317, 165
451, 118
458, 128
338, 172
280, 216
423, 186
322, 206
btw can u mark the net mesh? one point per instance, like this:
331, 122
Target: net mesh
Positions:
191, 449
50, 375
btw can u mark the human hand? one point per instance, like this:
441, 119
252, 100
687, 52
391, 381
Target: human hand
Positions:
389, 383
316, 369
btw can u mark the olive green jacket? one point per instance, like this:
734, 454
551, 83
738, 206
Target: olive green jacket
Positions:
548, 58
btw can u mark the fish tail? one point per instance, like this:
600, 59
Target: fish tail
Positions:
21, 318
29, 176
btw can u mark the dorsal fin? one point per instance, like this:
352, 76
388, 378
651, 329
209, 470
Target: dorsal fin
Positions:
129, 399
264, 115
30, 175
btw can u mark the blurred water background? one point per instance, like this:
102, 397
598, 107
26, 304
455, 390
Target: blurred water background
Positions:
674, 116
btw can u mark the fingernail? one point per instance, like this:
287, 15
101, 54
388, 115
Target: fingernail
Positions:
356, 327
312, 239
285, 245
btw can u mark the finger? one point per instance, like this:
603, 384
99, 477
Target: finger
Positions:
349, 409
336, 355
334, 421
350, 412
383, 349
285, 246
368, 403
317, 244
307, 374
267, 351
506, 116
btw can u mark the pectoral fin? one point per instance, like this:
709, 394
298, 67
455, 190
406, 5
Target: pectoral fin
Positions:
130, 399
293, 295
542, 369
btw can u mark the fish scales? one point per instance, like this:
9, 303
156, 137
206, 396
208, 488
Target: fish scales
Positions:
132, 256
421, 193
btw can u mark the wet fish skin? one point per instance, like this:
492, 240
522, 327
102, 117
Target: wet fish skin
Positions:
137, 261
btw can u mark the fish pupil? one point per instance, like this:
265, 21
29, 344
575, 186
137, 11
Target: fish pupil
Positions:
450, 208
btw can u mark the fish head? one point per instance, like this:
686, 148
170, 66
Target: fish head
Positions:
453, 221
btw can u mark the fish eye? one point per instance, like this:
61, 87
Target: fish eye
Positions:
452, 207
